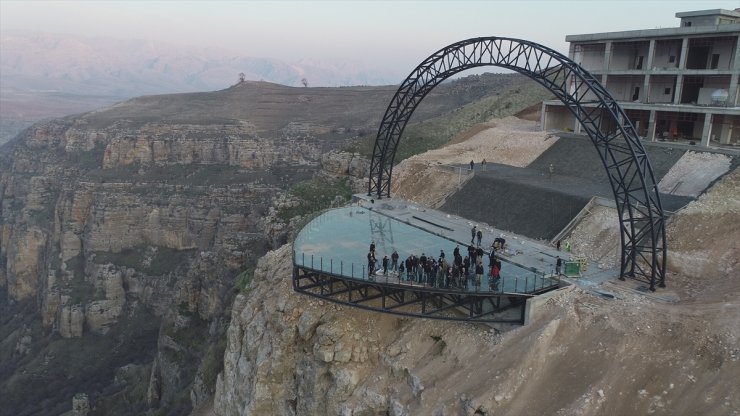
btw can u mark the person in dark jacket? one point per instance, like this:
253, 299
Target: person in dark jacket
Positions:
394, 261
478, 274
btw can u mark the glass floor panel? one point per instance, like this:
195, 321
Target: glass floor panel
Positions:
338, 241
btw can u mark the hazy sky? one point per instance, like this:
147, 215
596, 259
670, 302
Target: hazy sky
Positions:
391, 35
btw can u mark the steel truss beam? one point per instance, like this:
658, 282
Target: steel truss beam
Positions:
612, 133
411, 301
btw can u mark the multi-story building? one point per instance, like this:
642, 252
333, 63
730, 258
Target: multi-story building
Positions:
676, 83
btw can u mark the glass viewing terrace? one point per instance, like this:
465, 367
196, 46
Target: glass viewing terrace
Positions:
330, 262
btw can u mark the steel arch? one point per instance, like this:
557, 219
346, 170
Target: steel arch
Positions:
612, 133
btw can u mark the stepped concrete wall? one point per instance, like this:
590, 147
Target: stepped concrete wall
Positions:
522, 208
577, 156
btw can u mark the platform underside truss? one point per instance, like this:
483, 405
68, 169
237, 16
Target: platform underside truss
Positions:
643, 249
422, 302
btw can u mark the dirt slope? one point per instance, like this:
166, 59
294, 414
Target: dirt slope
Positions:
585, 355
510, 140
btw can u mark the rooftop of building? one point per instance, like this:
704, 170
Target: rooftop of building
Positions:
711, 12
644, 34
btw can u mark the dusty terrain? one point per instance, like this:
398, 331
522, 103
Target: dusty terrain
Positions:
584, 355
510, 140
693, 173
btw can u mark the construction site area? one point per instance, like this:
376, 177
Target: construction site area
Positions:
527, 194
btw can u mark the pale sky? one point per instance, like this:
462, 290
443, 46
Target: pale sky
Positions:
391, 35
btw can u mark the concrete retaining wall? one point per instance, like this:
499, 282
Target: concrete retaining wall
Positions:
514, 206
577, 156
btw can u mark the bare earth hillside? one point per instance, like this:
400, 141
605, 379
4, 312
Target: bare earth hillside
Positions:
510, 141
583, 355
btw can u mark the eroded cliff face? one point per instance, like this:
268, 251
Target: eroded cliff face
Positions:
107, 222
289, 354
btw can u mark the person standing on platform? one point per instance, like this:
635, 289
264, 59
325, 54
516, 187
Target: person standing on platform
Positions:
394, 261
472, 165
558, 265
456, 251
472, 234
372, 247
478, 275
370, 263
385, 265
557, 245
479, 235
495, 276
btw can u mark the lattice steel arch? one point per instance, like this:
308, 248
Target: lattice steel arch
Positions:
612, 133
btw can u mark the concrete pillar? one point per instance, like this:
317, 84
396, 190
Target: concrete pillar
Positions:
732, 91
732, 98
679, 89
681, 68
684, 54
650, 131
607, 54
707, 131
543, 117
726, 131
649, 68
651, 52
646, 90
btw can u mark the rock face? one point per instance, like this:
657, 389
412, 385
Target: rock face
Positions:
288, 354
128, 230
114, 213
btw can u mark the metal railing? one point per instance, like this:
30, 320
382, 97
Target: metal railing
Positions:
528, 284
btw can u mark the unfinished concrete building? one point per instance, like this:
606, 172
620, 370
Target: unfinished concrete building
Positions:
678, 84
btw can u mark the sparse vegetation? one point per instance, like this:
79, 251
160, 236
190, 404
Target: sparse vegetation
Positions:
243, 280
154, 261
315, 195
88, 160
418, 137
439, 345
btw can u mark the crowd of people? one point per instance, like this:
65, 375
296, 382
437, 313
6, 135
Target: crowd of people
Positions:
456, 272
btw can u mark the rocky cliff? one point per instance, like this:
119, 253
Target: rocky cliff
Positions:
289, 354
126, 232
110, 219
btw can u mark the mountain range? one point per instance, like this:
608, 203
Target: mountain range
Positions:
51, 75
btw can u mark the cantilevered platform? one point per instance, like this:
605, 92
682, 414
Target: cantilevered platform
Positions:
330, 262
